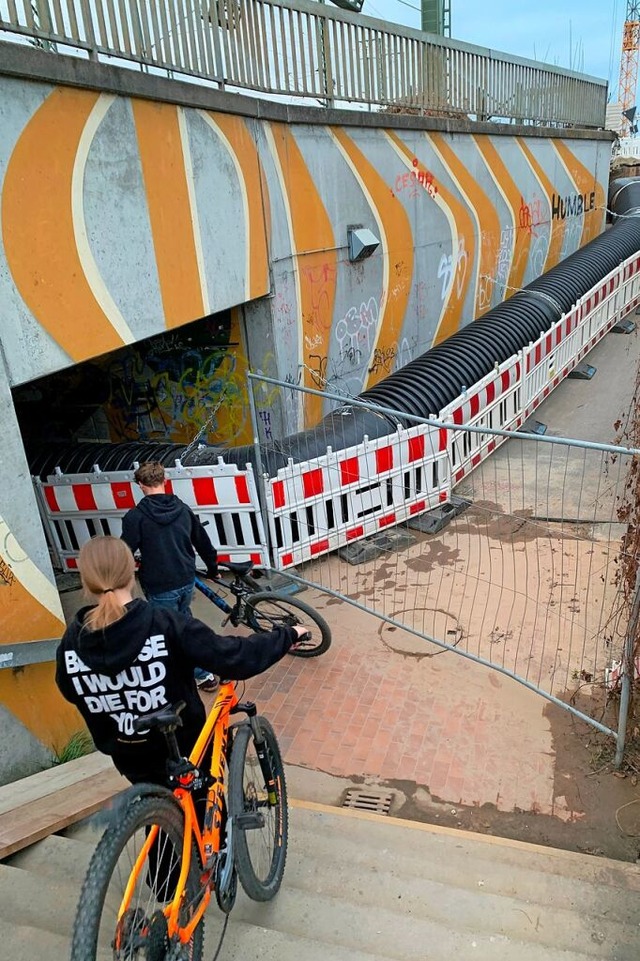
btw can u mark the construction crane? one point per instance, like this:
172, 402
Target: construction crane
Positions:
629, 67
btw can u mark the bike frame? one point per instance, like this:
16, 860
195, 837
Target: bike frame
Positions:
218, 600
240, 590
209, 839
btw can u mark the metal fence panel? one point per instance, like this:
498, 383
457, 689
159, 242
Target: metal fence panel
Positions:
521, 575
297, 48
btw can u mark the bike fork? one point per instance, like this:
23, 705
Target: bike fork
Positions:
250, 709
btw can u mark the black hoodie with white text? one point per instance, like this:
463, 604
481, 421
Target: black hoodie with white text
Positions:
143, 662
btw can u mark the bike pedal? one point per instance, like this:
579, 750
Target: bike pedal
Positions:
249, 821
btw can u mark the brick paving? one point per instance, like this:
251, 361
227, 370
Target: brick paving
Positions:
438, 722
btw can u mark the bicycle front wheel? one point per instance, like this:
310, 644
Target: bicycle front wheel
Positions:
260, 823
119, 926
268, 610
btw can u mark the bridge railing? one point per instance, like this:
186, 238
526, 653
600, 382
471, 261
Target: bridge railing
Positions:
304, 49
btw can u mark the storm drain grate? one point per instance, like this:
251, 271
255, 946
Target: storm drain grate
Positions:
368, 801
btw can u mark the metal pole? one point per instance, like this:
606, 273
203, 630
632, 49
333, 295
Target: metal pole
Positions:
449, 425
262, 475
628, 668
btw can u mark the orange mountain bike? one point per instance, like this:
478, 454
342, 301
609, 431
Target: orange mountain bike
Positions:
162, 859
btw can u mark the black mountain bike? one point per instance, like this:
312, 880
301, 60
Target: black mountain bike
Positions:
265, 610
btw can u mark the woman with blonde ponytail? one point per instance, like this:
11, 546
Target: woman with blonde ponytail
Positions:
122, 658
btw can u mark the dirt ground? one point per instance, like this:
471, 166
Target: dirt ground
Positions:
610, 826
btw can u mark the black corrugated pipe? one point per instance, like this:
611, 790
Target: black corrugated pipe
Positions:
624, 196
425, 385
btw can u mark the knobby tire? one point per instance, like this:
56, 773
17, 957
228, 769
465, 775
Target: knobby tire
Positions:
260, 853
105, 871
268, 610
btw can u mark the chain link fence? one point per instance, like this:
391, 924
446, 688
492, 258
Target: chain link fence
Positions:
519, 567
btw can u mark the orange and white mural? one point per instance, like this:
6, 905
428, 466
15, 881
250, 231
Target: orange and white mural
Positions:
124, 219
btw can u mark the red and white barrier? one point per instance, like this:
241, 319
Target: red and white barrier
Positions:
555, 354
345, 496
494, 402
76, 507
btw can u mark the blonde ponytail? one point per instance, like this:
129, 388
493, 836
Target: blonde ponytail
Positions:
106, 565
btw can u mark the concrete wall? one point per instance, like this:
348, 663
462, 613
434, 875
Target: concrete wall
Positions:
32, 714
131, 206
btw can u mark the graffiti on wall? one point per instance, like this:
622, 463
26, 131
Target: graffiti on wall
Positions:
453, 267
320, 283
274, 404
166, 388
573, 205
355, 332
531, 215
503, 261
413, 182
177, 383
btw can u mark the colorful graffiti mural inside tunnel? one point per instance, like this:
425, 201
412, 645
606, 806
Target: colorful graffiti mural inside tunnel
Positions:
164, 389
459, 362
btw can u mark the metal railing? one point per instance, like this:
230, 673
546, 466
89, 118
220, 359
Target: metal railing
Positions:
303, 49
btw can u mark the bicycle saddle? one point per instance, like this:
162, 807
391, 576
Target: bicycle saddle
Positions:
239, 567
164, 719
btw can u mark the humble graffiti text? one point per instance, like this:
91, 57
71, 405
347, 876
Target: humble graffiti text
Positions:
574, 205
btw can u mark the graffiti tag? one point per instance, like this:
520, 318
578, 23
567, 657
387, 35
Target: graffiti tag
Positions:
7, 577
453, 266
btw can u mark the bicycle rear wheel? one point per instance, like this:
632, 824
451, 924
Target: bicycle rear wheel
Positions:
261, 841
140, 934
266, 611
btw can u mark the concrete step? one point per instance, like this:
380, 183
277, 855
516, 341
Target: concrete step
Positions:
45, 903
478, 911
401, 836
531, 876
46, 857
364, 888
501, 931
20, 942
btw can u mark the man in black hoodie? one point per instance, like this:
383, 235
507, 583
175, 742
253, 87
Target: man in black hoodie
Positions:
167, 534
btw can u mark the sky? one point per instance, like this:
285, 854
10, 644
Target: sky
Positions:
582, 35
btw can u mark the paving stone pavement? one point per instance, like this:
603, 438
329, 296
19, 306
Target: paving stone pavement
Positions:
462, 732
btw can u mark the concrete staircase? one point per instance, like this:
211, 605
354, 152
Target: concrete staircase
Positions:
361, 887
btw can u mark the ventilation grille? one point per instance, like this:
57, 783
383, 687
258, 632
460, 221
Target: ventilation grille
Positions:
368, 801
